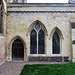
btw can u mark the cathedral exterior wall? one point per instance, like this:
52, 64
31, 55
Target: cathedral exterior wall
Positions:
18, 24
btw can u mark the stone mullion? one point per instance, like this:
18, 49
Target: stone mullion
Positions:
37, 42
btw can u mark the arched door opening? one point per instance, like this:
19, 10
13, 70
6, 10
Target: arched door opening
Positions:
17, 50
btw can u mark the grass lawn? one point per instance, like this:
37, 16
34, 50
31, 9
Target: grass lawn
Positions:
49, 69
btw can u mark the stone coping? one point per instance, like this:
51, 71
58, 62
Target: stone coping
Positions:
41, 8
42, 4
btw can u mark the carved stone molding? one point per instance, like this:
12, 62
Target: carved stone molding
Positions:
40, 11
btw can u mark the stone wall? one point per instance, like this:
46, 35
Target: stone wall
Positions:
2, 48
50, 59
19, 20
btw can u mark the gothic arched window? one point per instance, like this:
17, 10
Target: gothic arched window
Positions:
56, 43
37, 40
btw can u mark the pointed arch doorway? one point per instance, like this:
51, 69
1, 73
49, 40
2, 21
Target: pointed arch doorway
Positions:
17, 50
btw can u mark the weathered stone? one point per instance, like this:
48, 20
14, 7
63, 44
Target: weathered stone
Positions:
2, 48
20, 20
49, 59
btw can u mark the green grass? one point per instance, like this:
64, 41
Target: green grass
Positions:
49, 69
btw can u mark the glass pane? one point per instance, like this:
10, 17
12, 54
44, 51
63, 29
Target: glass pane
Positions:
56, 43
33, 42
37, 27
41, 47
17, 50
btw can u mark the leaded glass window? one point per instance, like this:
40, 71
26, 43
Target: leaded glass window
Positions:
33, 42
41, 42
37, 27
56, 43
37, 40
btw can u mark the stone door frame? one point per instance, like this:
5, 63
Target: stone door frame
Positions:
9, 49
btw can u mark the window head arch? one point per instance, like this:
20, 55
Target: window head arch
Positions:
58, 31
37, 24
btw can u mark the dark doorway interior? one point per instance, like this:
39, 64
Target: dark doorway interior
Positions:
17, 50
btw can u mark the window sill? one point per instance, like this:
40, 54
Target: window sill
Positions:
38, 55
45, 55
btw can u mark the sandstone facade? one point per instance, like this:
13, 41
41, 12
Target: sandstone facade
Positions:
20, 20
